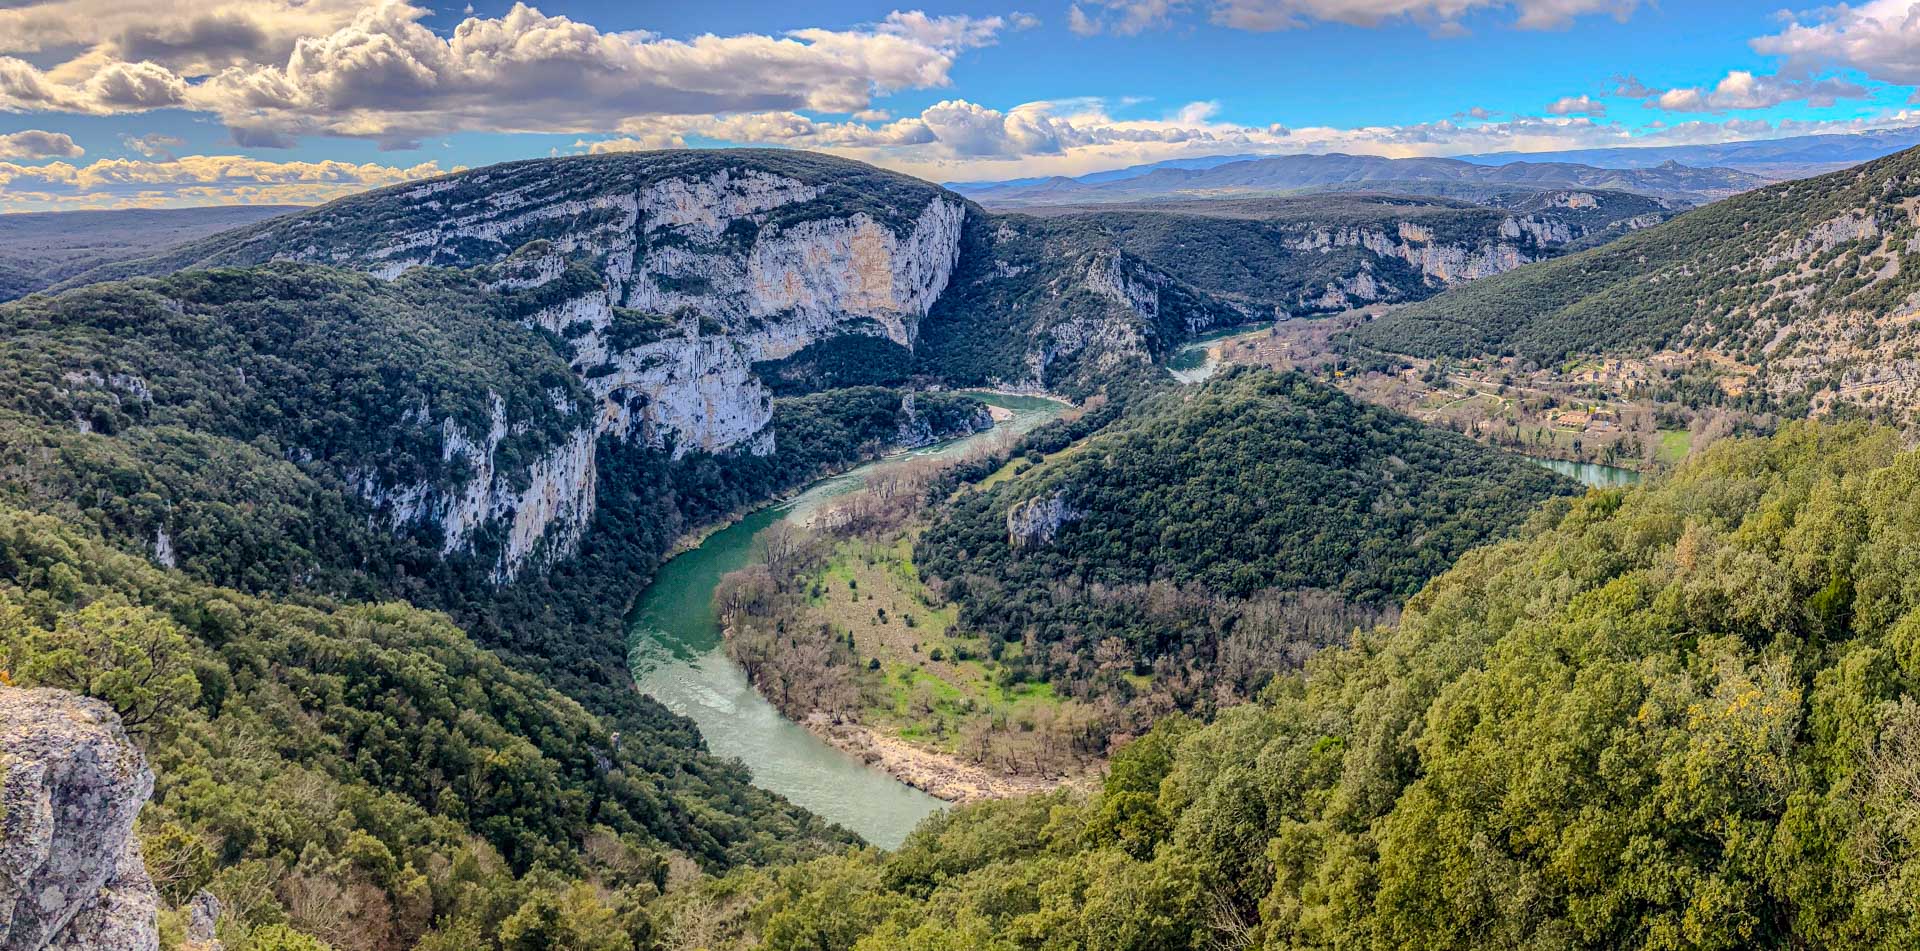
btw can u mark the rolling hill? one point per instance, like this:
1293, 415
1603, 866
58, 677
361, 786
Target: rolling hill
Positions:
1796, 298
41, 249
1792, 156
1453, 178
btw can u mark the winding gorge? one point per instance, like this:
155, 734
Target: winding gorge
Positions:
721, 549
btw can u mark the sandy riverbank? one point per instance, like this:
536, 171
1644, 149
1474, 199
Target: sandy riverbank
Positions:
940, 775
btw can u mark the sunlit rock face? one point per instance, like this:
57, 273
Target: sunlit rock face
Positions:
1037, 521
667, 275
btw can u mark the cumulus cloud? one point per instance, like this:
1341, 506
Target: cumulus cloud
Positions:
1878, 38
381, 74
37, 144
191, 180
961, 140
154, 145
1581, 105
1742, 90
190, 39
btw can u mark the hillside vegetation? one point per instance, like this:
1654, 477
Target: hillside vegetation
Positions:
1802, 291
364, 772
1679, 716
1144, 547
226, 422
1053, 303
1301, 256
41, 249
1023, 616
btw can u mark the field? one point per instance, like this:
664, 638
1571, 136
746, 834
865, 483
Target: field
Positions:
924, 683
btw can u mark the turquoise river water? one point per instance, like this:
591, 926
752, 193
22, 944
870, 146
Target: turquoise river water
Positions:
674, 639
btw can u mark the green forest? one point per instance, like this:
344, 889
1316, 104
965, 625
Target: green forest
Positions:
1677, 716
363, 772
1179, 521
1317, 675
423, 790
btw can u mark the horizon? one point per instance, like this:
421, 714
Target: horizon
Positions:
144, 104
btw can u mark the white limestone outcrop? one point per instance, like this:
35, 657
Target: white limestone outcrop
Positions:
1037, 521
706, 252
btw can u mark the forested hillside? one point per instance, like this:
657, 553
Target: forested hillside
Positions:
41, 249
1054, 304
1795, 297
1678, 716
1301, 256
351, 510
224, 427
365, 773
1144, 546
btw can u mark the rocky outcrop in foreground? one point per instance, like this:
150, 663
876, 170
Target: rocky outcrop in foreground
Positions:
71, 783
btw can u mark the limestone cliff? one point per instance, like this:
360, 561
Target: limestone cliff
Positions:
71, 784
667, 275
1056, 305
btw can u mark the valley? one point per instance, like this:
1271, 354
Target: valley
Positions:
677, 658
755, 548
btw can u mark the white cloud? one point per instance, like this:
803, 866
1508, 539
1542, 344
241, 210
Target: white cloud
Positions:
1123, 17
1880, 39
154, 145
191, 180
382, 74
1744, 90
961, 140
36, 144
1581, 105
191, 38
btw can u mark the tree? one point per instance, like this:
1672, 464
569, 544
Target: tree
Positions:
136, 661
570, 919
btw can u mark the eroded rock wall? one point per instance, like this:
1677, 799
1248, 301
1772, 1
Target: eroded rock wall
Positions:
742, 264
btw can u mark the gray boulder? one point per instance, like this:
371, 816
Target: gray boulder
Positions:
71, 874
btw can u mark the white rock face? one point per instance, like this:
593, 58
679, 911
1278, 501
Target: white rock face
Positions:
1441, 264
740, 287
1037, 521
71, 875
1116, 337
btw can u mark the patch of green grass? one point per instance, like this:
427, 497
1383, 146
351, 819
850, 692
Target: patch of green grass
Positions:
1675, 444
958, 691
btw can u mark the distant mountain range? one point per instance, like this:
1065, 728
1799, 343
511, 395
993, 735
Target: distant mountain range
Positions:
1453, 178
1686, 174
1792, 157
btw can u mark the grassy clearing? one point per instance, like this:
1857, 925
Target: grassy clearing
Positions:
931, 685
1022, 464
1675, 444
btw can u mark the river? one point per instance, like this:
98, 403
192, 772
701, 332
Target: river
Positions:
1197, 359
1591, 474
675, 651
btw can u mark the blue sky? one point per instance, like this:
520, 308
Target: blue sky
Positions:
155, 102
